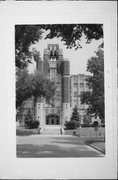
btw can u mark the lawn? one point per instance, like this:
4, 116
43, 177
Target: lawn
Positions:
93, 138
21, 131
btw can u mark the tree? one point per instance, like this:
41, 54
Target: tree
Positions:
87, 120
42, 86
74, 121
26, 35
71, 33
28, 85
75, 115
95, 98
30, 122
23, 88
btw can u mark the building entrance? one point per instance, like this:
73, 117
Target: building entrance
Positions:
52, 119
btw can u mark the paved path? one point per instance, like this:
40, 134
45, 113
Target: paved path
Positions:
53, 146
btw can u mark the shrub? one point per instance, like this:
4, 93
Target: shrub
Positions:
95, 124
85, 125
75, 115
71, 124
86, 121
30, 122
103, 125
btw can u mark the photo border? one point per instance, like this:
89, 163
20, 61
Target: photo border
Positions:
57, 13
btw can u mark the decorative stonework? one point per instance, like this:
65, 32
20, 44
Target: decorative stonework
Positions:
67, 94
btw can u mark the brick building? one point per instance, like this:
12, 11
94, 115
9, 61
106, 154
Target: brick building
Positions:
67, 94
68, 91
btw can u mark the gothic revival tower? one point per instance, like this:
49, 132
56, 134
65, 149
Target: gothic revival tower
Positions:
57, 110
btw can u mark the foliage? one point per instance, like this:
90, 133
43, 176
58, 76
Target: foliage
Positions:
28, 117
86, 121
95, 124
71, 33
36, 54
75, 115
85, 125
71, 124
25, 132
74, 121
95, 98
26, 35
42, 86
23, 87
30, 122
28, 85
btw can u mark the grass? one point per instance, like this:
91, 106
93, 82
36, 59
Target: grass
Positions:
91, 137
98, 143
21, 131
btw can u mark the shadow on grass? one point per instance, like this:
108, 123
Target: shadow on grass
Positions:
72, 140
75, 140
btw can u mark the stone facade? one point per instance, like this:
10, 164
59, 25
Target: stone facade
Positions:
68, 89
67, 94
78, 85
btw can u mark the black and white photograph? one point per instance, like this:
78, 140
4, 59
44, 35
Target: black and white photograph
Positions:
59, 81
60, 90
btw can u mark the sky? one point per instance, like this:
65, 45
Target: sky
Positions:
78, 58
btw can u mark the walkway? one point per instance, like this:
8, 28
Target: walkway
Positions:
37, 146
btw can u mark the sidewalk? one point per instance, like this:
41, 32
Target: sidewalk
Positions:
39, 146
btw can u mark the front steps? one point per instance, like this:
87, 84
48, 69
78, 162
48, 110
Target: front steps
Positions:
52, 130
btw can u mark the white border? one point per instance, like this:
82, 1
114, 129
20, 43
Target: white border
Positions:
44, 13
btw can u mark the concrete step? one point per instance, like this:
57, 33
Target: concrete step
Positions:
52, 127
51, 130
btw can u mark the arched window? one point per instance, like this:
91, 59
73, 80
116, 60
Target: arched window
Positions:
75, 86
81, 87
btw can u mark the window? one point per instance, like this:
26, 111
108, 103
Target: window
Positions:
75, 103
57, 93
82, 78
81, 87
75, 94
75, 78
75, 86
87, 86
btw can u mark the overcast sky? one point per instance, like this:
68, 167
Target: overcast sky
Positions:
78, 58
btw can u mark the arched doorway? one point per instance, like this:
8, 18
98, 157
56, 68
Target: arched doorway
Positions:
52, 119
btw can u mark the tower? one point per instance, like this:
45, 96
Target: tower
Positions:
57, 110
